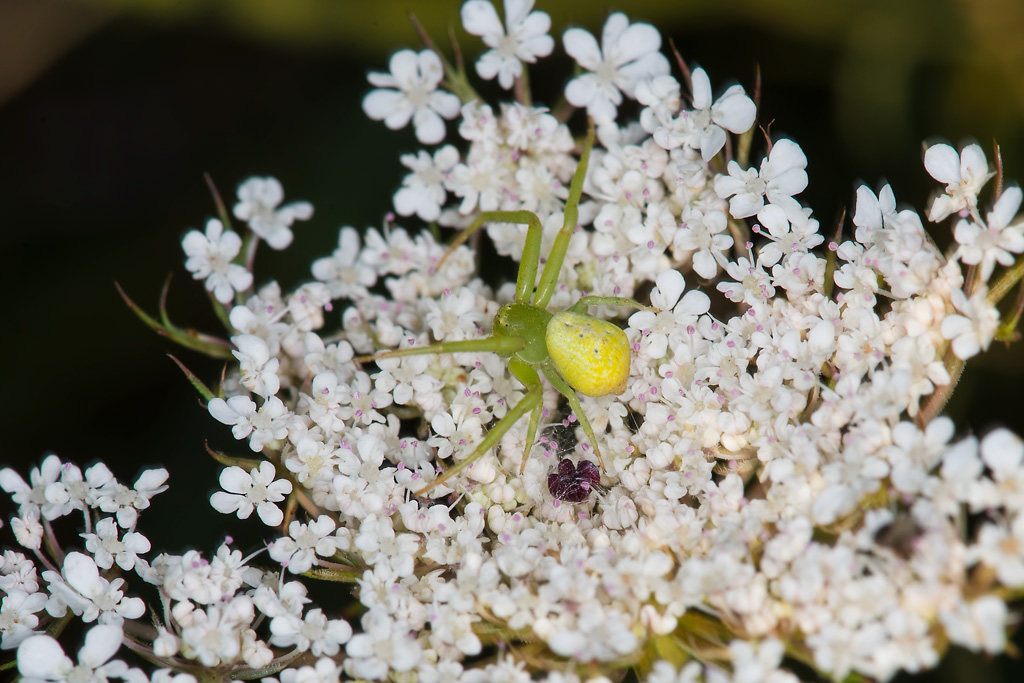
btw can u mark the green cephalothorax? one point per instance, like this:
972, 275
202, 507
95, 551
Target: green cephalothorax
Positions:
574, 351
528, 323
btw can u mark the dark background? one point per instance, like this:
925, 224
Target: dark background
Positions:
111, 111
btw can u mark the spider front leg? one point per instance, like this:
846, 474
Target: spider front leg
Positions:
530, 261
500, 344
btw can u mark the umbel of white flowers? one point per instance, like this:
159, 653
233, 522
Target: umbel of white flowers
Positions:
778, 485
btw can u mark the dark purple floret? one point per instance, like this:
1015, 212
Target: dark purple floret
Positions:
573, 483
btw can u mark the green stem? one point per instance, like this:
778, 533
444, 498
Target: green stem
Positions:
1005, 283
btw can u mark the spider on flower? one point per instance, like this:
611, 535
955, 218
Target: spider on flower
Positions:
576, 352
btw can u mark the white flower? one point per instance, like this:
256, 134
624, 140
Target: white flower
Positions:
423, 192
267, 424
1001, 547
758, 663
18, 618
81, 588
258, 199
410, 92
781, 176
107, 548
261, 316
41, 658
785, 237
977, 625
325, 671
598, 634
210, 255
996, 241
527, 37
315, 632
456, 316
29, 495
81, 493
964, 174
384, 645
733, 111
380, 544
257, 368
974, 329
627, 55
125, 503
215, 634
676, 317
298, 550
191, 577
256, 489
344, 274
703, 234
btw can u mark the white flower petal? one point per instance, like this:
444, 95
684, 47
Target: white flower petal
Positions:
942, 163
582, 47
42, 657
480, 18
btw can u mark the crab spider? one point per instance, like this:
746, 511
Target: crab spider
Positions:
574, 351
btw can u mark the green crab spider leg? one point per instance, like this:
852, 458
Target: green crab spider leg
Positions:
574, 403
532, 401
581, 305
530, 261
525, 373
553, 267
531, 248
504, 346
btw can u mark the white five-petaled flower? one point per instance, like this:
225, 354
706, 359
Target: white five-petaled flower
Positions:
18, 618
676, 316
33, 494
410, 92
256, 489
974, 328
997, 240
210, 255
268, 423
42, 659
345, 275
628, 54
733, 111
80, 587
527, 37
258, 200
107, 548
298, 550
704, 234
124, 502
964, 174
422, 192
780, 176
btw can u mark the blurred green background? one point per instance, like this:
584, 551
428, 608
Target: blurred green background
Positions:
112, 110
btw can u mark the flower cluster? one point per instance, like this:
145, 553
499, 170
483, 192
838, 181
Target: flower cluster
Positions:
778, 486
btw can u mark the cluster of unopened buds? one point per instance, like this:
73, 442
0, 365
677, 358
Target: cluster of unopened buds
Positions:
694, 437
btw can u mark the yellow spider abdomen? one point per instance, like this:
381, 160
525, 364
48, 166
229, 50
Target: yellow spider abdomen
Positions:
592, 355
